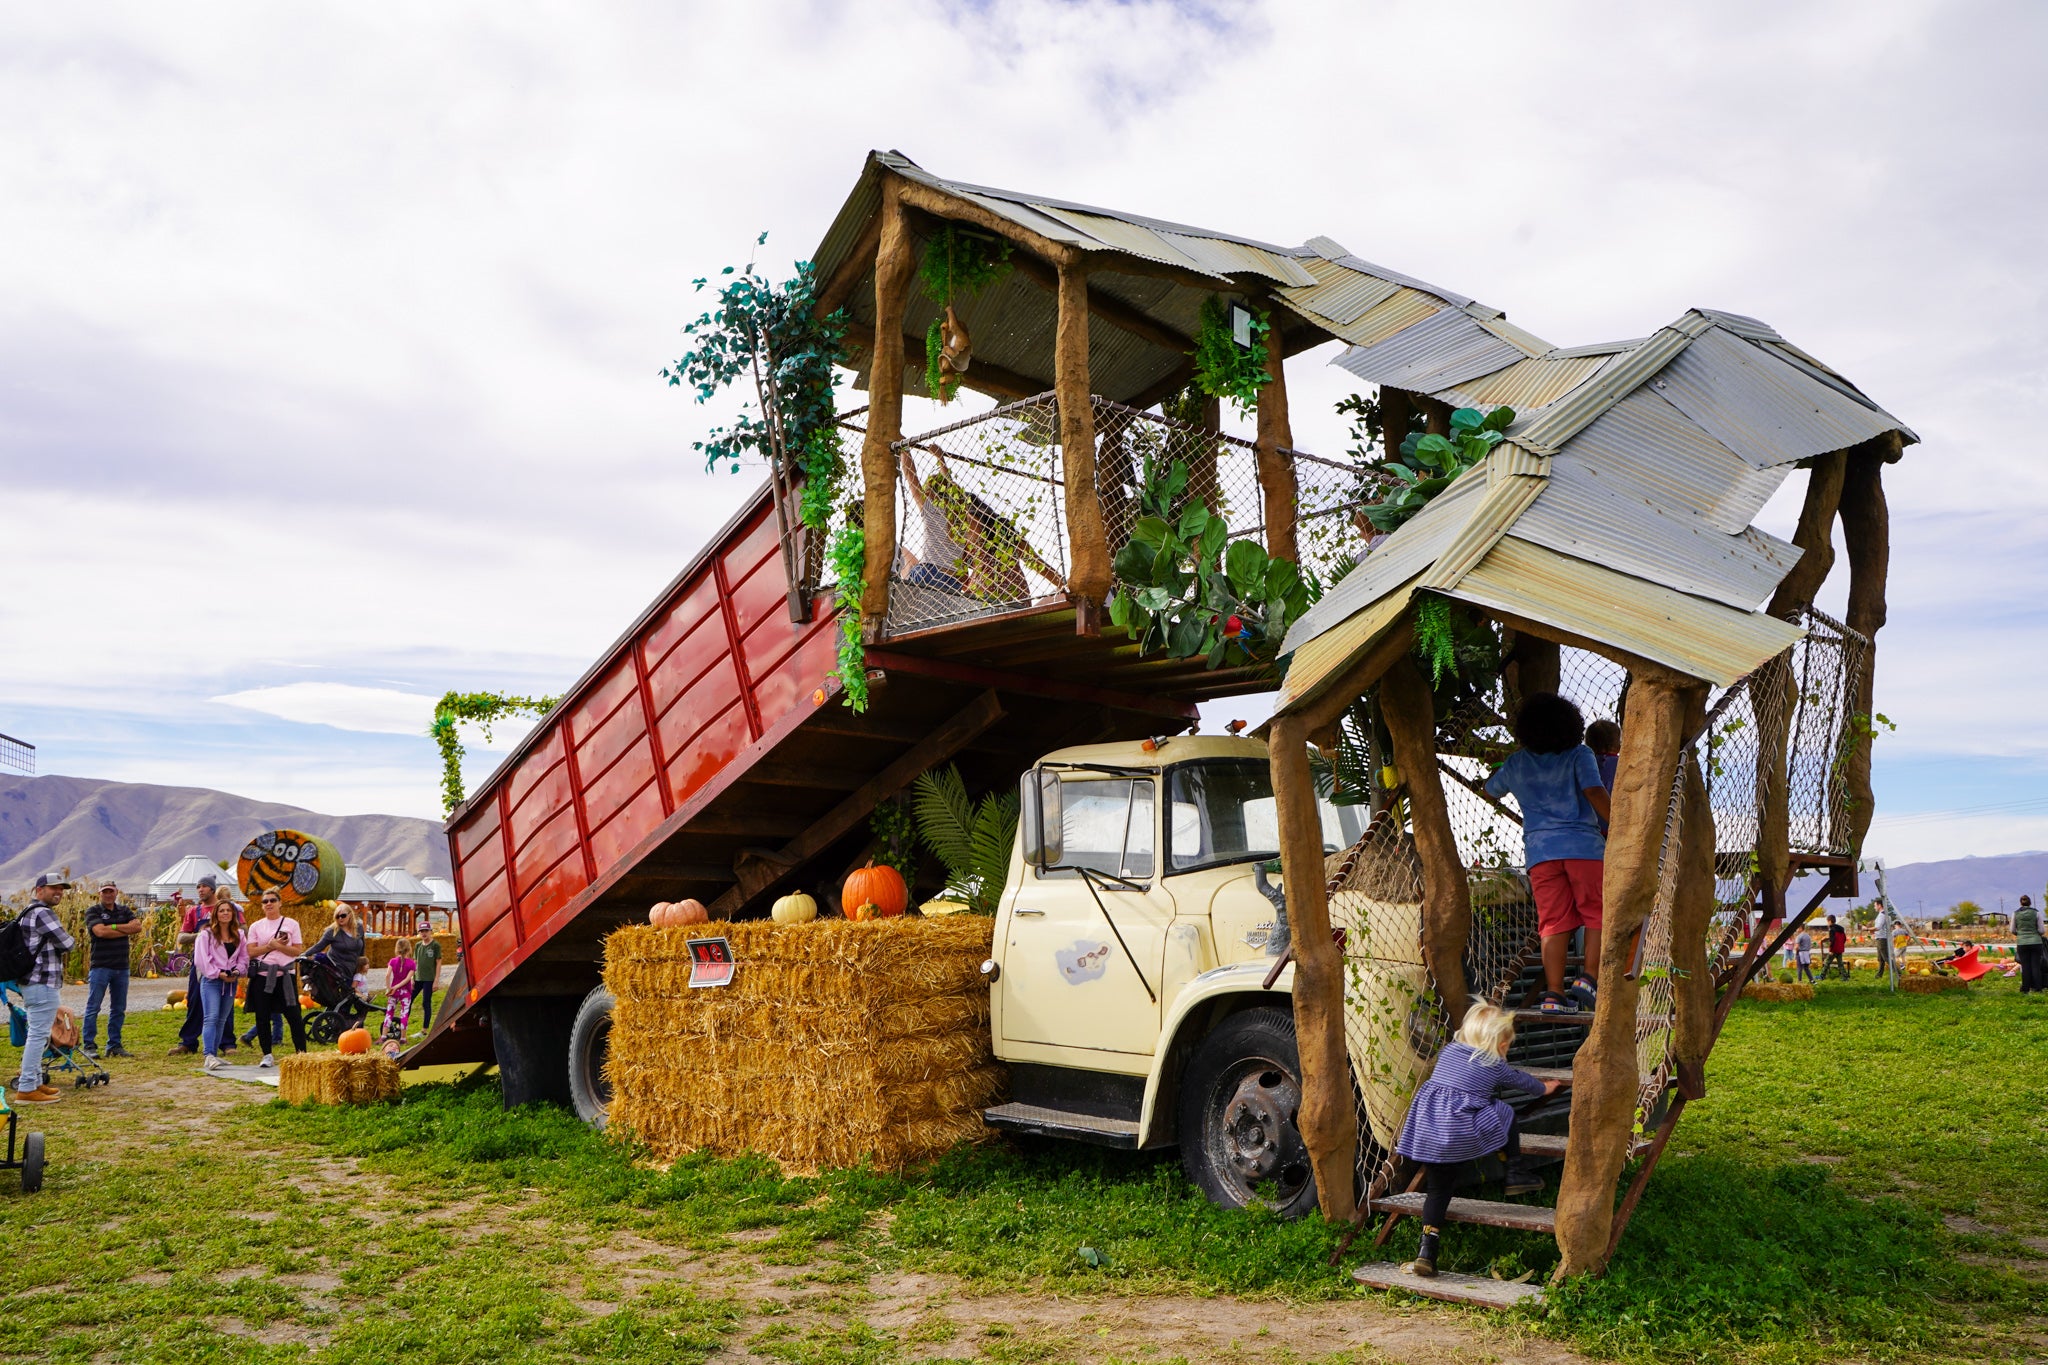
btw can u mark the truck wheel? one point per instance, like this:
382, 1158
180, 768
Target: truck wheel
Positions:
1239, 1099
589, 1042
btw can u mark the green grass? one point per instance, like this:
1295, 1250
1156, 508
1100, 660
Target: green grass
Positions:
1862, 1180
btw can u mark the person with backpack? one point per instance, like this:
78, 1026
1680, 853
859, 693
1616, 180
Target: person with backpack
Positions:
32, 949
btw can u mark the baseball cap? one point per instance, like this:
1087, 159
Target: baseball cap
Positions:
110, 885
56, 879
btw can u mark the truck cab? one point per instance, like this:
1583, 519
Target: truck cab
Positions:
1132, 976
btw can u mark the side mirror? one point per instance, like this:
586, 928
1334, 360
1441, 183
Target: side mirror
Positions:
1040, 802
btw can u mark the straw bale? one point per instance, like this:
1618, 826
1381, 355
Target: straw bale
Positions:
1932, 985
1777, 990
331, 1078
835, 1043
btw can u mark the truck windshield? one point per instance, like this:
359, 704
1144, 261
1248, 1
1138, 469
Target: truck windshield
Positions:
1222, 811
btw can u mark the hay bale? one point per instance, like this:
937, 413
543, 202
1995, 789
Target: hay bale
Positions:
332, 1078
1932, 984
1778, 990
836, 1042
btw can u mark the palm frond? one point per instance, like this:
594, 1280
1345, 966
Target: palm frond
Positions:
972, 839
995, 836
945, 817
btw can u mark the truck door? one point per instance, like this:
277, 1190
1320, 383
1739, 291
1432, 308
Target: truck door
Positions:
1068, 982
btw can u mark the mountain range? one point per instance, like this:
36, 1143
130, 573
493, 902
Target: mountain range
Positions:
1933, 888
132, 832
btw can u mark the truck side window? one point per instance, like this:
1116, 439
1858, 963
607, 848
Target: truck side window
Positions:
1106, 823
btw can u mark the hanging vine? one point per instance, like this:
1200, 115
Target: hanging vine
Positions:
954, 262
479, 709
849, 556
1225, 369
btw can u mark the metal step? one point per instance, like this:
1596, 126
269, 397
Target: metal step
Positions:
1549, 1146
1549, 1073
1575, 1018
1490, 1213
1063, 1123
1478, 1291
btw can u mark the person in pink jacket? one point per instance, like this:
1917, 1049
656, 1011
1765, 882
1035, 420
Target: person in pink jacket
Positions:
222, 959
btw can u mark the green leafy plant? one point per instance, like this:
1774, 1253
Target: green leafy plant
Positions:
954, 262
972, 838
895, 832
849, 555
1428, 464
773, 335
479, 709
1435, 640
1184, 587
1223, 368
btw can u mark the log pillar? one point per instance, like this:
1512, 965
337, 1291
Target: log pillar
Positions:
1605, 1080
895, 263
1692, 912
1088, 577
1277, 486
1410, 717
1536, 665
1328, 1121
1397, 411
1867, 539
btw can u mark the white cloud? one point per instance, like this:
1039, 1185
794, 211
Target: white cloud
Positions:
374, 710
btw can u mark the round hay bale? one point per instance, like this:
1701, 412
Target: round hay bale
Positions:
299, 867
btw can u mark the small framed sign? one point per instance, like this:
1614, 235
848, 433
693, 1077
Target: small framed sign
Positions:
1241, 325
711, 962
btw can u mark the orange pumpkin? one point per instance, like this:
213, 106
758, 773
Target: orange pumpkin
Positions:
688, 912
354, 1042
875, 892
307, 1002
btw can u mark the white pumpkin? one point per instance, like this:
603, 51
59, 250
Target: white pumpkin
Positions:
795, 908
658, 916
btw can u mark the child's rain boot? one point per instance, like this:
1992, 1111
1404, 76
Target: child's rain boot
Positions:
1424, 1263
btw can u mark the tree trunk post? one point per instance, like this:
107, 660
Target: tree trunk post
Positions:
1692, 911
1277, 485
1538, 667
895, 262
1605, 1080
1088, 578
1328, 1121
1410, 717
1867, 538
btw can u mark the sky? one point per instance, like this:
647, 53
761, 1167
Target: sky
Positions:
330, 334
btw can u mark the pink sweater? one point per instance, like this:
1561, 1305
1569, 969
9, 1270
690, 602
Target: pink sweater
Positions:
213, 957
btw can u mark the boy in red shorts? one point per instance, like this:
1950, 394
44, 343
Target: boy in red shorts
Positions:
1555, 779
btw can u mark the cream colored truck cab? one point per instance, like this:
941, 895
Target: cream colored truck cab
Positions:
1132, 948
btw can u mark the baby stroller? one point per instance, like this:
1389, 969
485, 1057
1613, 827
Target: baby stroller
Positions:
337, 1007
62, 1054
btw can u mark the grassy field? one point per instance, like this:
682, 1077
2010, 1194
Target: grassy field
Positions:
1868, 1178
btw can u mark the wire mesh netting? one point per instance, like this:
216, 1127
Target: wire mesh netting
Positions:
17, 755
981, 504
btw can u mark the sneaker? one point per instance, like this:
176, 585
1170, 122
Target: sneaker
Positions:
180, 1050
37, 1096
92, 1049
268, 1060
118, 1051
213, 1063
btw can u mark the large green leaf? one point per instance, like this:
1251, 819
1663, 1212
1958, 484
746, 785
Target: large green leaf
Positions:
1467, 419
1245, 562
1133, 563
1194, 518
1213, 536
1151, 531
1500, 419
1435, 451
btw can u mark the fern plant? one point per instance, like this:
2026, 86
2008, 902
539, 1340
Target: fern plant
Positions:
973, 839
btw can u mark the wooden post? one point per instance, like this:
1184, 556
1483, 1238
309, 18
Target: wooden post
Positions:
1088, 577
1692, 911
1396, 412
1604, 1073
1867, 538
1410, 718
1537, 666
895, 262
1276, 468
1328, 1121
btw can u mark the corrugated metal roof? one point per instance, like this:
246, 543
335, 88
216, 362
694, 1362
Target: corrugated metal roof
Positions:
1644, 445
1452, 297
1525, 385
1402, 556
1749, 329
1549, 429
1319, 661
1224, 256
1133, 239
1389, 318
1340, 293
1496, 322
1760, 405
1697, 637
1433, 354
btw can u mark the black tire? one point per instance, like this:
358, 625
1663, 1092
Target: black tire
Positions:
31, 1163
1240, 1098
589, 1044
323, 1027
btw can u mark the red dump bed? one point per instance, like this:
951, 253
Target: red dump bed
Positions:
710, 669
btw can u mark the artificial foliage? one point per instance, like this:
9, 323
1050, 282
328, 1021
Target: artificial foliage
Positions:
972, 838
771, 334
480, 709
1428, 464
1223, 368
1436, 642
849, 555
1184, 587
895, 832
955, 262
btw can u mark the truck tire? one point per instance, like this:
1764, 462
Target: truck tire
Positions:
589, 1044
1239, 1099
530, 1039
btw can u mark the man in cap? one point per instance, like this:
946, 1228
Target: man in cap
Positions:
47, 943
196, 914
111, 927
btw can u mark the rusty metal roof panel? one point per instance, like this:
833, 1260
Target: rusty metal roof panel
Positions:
1437, 353
1644, 445
1762, 406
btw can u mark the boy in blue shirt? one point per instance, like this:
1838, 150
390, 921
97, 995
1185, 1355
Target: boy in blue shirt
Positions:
1555, 779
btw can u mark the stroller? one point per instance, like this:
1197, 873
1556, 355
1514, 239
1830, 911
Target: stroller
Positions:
62, 1054
337, 1007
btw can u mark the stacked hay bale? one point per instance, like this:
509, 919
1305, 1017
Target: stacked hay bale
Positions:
1931, 984
332, 1078
1777, 990
835, 1042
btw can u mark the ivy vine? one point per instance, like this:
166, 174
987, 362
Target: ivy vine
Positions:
849, 556
1223, 368
479, 709
954, 261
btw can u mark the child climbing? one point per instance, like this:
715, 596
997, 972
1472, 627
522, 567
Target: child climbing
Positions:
1458, 1116
1555, 779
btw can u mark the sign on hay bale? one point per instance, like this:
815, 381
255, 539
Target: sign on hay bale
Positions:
836, 1041
332, 1078
1778, 990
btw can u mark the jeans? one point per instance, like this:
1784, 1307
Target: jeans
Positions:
426, 1002
276, 1030
105, 981
217, 999
41, 1002
932, 576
